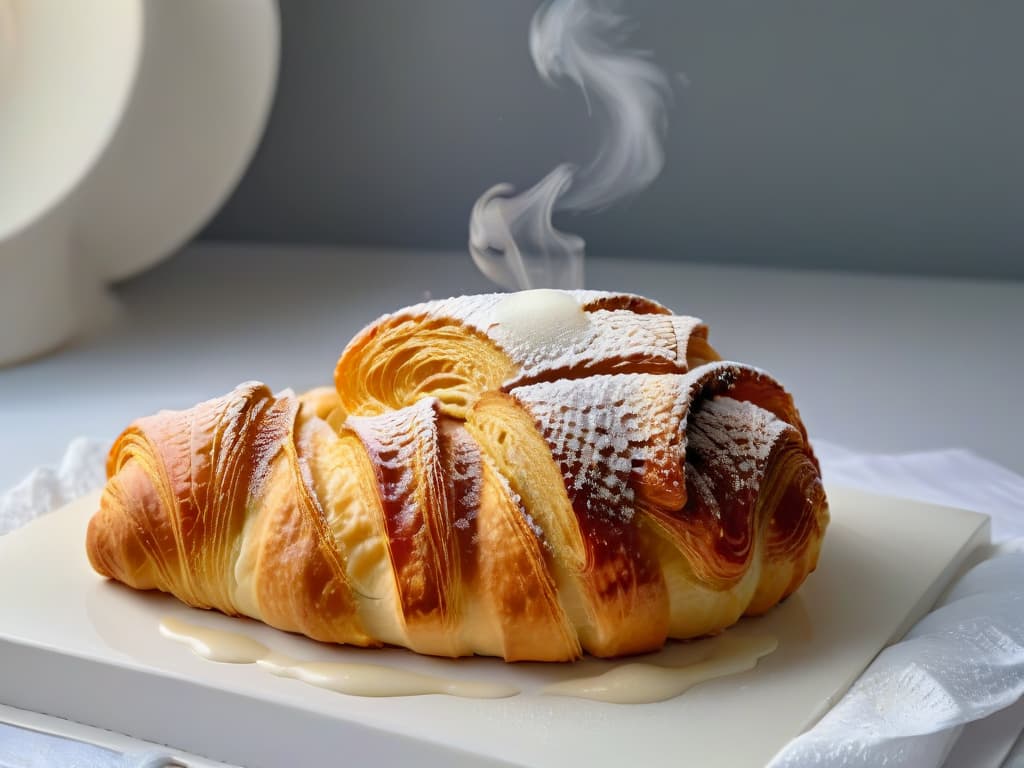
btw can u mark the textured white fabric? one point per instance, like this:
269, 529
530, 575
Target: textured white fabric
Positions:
923, 699
960, 663
45, 489
953, 478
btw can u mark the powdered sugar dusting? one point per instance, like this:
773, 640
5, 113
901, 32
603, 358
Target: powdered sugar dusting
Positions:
640, 330
277, 422
462, 475
603, 429
539, 324
616, 435
616, 338
516, 499
398, 443
735, 439
477, 310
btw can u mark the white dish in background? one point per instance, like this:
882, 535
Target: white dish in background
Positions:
66, 75
203, 92
123, 127
77, 646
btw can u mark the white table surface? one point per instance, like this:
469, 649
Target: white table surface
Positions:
877, 363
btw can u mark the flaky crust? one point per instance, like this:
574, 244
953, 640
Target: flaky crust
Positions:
460, 493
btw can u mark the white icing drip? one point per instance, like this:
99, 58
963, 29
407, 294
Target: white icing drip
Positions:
642, 683
213, 644
378, 680
342, 677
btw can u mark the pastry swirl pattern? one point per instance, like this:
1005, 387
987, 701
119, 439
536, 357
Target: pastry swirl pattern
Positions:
474, 485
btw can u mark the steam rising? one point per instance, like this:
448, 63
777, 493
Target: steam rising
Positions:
511, 237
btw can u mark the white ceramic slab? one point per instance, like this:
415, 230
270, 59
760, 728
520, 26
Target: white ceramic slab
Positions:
74, 645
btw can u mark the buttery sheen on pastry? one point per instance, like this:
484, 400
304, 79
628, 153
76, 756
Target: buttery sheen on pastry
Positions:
531, 476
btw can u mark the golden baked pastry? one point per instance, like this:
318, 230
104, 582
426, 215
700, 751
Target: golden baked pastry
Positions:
530, 476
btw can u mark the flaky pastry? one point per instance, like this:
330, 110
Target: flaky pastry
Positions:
583, 476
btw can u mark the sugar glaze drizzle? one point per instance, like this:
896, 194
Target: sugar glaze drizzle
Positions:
641, 683
626, 683
353, 679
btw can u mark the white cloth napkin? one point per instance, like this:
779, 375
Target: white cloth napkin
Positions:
952, 478
951, 690
962, 662
46, 488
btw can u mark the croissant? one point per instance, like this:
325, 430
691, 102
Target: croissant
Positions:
531, 476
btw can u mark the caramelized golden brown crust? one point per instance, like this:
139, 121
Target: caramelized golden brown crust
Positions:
454, 350
464, 490
211, 504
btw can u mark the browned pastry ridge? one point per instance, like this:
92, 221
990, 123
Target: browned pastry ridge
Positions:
477, 485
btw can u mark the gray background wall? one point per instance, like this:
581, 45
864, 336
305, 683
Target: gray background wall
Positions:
865, 134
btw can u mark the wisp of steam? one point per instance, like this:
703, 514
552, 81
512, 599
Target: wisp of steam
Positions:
511, 236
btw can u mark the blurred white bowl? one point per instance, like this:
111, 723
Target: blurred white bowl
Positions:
123, 126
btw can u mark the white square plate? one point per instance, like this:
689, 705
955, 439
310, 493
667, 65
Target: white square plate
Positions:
79, 647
